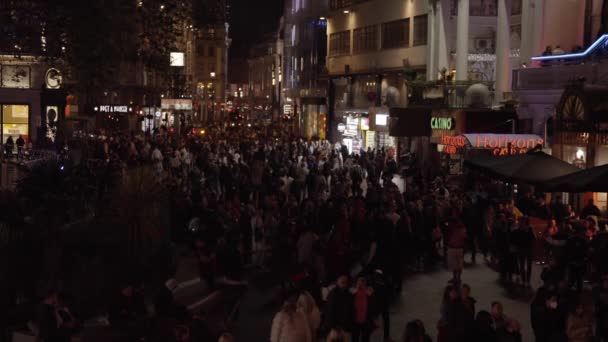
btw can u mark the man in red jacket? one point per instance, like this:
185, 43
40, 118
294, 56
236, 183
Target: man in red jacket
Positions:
455, 238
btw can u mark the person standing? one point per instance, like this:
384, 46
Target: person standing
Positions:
290, 324
523, 239
456, 239
363, 304
579, 327
339, 309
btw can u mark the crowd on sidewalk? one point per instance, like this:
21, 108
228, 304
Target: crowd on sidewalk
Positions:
339, 233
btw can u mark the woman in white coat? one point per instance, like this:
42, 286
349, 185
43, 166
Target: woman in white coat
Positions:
307, 305
290, 324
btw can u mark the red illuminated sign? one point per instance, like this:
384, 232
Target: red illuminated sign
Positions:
500, 145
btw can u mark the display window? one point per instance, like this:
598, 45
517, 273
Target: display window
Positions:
15, 121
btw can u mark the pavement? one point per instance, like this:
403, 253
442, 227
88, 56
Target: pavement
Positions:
9, 175
420, 299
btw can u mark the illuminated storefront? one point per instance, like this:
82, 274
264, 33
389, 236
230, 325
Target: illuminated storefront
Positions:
15, 121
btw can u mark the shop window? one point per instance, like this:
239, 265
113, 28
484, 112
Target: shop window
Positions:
365, 39
339, 43
15, 121
420, 29
396, 34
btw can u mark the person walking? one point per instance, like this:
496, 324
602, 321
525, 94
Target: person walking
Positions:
290, 324
456, 240
363, 308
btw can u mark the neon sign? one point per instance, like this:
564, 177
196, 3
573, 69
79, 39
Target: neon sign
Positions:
585, 53
442, 123
499, 144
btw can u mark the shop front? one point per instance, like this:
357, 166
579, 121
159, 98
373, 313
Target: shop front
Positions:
21, 105
312, 117
580, 130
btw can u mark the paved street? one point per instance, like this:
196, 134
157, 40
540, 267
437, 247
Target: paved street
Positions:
9, 174
420, 299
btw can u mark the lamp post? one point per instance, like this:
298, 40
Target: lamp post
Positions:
212, 93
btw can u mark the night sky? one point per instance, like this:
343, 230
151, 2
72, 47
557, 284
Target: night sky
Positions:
250, 20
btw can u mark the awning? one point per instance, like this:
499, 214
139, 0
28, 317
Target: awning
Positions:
532, 167
590, 180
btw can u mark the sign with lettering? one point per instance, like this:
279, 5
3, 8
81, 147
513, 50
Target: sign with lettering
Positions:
113, 109
176, 104
500, 144
447, 124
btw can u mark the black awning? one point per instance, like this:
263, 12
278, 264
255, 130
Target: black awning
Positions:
410, 122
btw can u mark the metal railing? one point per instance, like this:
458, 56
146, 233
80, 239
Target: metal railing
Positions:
557, 76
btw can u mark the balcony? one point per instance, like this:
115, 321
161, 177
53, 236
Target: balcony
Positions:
557, 76
453, 94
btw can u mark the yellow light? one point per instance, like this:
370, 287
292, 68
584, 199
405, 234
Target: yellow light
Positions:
346, 11
322, 18
202, 131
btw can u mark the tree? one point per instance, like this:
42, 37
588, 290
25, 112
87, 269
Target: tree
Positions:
95, 38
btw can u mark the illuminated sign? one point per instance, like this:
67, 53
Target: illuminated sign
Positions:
500, 144
176, 104
370, 139
113, 109
177, 59
585, 53
364, 124
443, 123
381, 119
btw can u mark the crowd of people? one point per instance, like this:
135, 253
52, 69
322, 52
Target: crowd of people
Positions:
340, 230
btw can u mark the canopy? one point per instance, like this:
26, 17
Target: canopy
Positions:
590, 180
533, 167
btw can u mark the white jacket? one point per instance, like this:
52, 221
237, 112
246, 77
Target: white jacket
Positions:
307, 305
290, 329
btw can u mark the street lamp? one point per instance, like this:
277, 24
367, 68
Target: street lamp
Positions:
212, 90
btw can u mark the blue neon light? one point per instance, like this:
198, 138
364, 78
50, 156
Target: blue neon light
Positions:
573, 55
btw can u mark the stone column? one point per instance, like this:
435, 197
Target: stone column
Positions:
431, 58
538, 18
462, 41
441, 10
526, 50
503, 49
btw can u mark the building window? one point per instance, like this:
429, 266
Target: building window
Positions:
365, 39
516, 7
339, 43
15, 121
420, 29
396, 34
211, 51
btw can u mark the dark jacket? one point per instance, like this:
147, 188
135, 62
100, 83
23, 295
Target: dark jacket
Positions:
339, 310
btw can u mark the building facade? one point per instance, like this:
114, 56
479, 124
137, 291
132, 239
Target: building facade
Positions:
372, 45
304, 88
265, 79
210, 71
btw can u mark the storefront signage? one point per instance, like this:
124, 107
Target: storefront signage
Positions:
113, 109
364, 124
370, 139
500, 144
176, 104
15, 76
177, 59
53, 79
352, 127
381, 119
443, 123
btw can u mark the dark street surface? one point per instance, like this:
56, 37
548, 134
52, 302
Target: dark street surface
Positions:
420, 299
